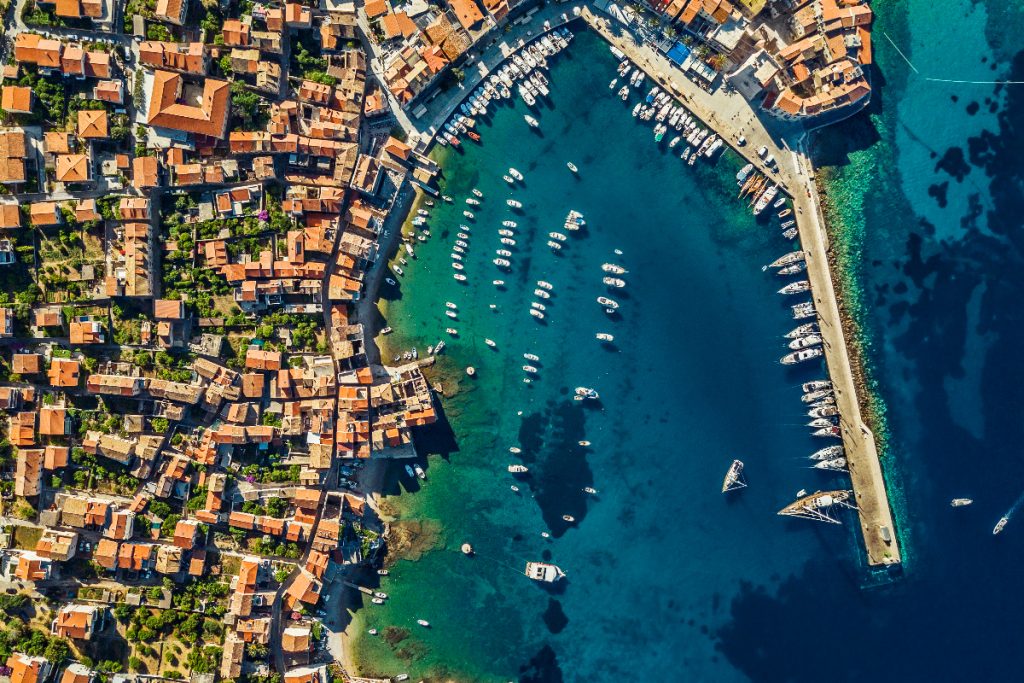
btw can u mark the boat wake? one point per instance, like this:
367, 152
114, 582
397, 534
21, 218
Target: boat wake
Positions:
1004, 520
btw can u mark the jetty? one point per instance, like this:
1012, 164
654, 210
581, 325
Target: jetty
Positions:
731, 116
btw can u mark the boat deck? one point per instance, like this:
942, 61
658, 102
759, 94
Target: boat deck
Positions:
729, 115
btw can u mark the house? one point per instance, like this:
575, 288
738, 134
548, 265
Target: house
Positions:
72, 168
77, 673
58, 546
296, 639
93, 124
54, 421
47, 316
192, 58
77, 622
121, 526
236, 33
55, 457
13, 152
29, 566
32, 48
145, 172
16, 99
28, 473
306, 674
109, 91
304, 589
44, 214
10, 214
185, 533
26, 363
64, 372
467, 12
86, 330
133, 208
231, 658
168, 559
167, 110
25, 669
6, 322
85, 211
106, 553
135, 556
171, 11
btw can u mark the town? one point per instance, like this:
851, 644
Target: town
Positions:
197, 202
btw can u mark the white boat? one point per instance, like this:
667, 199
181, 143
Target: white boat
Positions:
827, 453
605, 337
468, 214
452, 331
543, 572
508, 179
834, 465
536, 314
459, 276
787, 259
569, 518
531, 356
509, 224
801, 356
614, 282
533, 123
518, 469
818, 384
607, 303
508, 241
503, 252
557, 236
457, 266
451, 314
1000, 525
572, 167
423, 622
805, 342
637, 108
542, 293
960, 502
554, 245
545, 285
587, 392
498, 283
419, 471
504, 232
477, 193
377, 601
515, 174
472, 201
611, 86
797, 287
502, 263
590, 489
612, 268
530, 369
734, 477
514, 203
398, 270
491, 343
538, 306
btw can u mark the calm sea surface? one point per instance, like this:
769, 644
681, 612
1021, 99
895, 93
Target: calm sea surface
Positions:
667, 578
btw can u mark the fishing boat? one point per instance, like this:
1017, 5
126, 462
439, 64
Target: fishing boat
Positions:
474, 136
505, 232
804, 310
734, 477
960, 502
537, 305
607, 303
785, 212
419, 471
477, 193
612, 268
788, 224
514, 203
605, 337
787, 259
801, 356
805, 342
637, 108
572, 167
545, 285
534, 123
468, 214
382, 572
827, 453
377, 601
834, 465
503, 252
457, 266
817, 505
819, 384
472, 201
398, 270
590, 489
1000, 525
611, 86
451, 314
518, 469
583, 443
530, 369
515, 449
614, 282
543, 572
554, 245
438, 348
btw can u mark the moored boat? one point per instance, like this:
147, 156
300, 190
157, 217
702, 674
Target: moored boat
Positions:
734, 477
543, 572
960, 502
801, 356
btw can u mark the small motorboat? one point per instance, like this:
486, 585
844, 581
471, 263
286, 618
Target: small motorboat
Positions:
583, 443
605, 337
459, 276
572, 167
498, 283
545, 285
508, 179
390, 281
531, 356
452, 331
515, 450
383, 572
490, 342
518, 469
590, 489
372, 631
423, 622
515, 489
514, 203
569, 518
530, 369
377, 601
960, 502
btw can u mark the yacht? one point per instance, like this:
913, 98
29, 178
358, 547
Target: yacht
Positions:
797, 287
787, 259
607, 303
533, 123
590, 489
377, 601
614, 282
518, 469
827, 453
612, 268
605, 337
587, 392
827, 431
514, 203
572, 167
819, 384
802, 331
509, 224
792, 269
819, 422
419, 471
834, 465
823, 411
515, 174
801, 356
472, 201
818, 394
804, 310
960, 502
805, 342
543, 572
501, 263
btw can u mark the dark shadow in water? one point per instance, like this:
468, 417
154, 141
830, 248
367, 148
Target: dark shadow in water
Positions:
558, 464
542, 668
438, 437
554, 616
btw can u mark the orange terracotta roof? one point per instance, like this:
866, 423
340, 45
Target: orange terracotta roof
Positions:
209, 118
16, 98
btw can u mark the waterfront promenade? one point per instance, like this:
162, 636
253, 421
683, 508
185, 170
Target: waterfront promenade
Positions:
731, 116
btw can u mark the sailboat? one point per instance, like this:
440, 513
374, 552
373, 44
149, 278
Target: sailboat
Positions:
734, 477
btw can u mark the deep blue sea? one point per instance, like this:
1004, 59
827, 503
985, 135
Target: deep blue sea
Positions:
667, 578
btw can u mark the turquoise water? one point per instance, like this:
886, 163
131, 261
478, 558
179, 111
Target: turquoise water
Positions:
667, 578
692, 382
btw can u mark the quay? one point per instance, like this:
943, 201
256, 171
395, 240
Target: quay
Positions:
729, 115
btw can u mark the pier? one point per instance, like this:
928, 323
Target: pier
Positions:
729, 115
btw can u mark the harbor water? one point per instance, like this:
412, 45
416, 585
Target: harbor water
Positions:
668, 578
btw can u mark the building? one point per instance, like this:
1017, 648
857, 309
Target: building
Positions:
77, 622
204, 114
16, 99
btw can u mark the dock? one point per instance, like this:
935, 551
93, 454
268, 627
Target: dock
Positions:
729, 115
